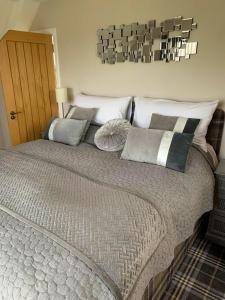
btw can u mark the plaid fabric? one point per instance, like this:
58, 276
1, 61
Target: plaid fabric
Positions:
201, 275
159, 283
215, 130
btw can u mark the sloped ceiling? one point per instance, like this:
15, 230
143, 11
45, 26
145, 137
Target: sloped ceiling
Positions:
17, 14
5, 12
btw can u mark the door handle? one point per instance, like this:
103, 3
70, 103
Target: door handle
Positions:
13, 114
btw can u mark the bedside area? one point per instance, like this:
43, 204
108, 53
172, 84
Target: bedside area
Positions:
216, 227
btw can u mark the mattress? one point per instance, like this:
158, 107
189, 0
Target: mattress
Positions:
80, 223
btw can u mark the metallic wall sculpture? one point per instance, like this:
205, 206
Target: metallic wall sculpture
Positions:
147, 42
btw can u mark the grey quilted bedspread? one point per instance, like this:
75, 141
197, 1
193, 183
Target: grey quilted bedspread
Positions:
79, 223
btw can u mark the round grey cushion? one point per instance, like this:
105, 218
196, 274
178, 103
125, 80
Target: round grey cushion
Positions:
112, 135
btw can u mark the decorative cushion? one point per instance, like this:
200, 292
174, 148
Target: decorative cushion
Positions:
176, 124
165, 148
112, 136
82, 113
145, 107
66, 131
108, 108
90, 135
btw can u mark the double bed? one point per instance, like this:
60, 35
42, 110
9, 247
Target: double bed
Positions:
80, 223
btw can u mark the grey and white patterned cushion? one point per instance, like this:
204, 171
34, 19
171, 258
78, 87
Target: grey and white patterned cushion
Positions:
112, 136
66, 131
176, 124
164, 148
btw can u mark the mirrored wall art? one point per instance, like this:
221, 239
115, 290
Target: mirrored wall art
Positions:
149, 42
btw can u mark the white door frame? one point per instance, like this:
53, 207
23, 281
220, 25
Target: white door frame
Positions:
53, 32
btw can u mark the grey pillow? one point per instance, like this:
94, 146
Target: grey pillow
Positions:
90, 135
164, 148
176, 124
66, 131
82, 113
112, 135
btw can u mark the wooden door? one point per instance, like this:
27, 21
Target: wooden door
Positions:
28, 79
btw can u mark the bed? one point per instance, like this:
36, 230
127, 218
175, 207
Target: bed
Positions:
80, 223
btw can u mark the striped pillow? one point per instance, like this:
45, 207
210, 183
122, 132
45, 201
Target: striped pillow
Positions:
165, 148
176, 124
66, 131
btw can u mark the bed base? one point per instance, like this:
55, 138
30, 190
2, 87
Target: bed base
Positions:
159, 283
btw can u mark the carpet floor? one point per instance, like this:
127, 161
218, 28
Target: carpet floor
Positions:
201, 275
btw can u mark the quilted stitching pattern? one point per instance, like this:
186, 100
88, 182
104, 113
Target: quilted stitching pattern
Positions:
179, 198
165, 189
32, 266
118, 230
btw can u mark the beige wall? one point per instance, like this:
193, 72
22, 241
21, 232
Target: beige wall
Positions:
76, 21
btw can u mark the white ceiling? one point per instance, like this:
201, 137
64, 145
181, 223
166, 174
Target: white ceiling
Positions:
17, 14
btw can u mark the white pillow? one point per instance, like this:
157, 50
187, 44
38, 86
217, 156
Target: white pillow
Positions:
108, 107
145, 107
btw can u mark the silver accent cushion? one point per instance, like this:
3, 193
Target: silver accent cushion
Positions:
66, 131
112, 136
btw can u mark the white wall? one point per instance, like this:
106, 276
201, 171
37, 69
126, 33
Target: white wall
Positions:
76, 21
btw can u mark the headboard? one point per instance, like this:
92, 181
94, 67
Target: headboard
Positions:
215, 130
